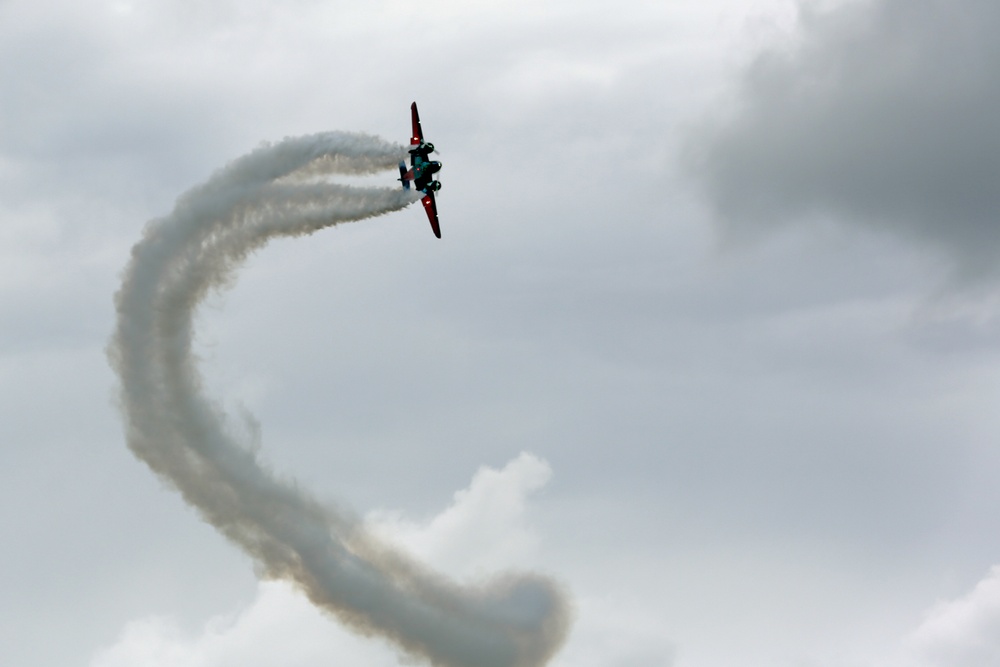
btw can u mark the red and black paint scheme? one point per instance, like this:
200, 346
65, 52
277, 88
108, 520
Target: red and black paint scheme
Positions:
422, 171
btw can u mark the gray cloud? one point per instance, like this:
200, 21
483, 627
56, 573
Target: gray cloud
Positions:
882, 113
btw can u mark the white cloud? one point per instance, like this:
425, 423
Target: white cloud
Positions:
964, 632
279, 627
484, 528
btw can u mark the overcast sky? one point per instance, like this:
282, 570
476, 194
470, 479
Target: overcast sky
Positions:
712, 335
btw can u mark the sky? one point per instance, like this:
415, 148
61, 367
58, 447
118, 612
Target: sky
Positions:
710, 339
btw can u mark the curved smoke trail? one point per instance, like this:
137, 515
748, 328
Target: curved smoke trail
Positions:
514, 621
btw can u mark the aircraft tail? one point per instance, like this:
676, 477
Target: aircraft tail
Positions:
402, 175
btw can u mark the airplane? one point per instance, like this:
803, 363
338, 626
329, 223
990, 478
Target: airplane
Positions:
422, 171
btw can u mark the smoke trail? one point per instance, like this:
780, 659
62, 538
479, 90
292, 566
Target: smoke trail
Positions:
513, 621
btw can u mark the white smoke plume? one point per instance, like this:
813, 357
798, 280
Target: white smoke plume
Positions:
515, 620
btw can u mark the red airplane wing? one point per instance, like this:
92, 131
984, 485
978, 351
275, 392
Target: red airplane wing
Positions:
418, 135
430, 205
